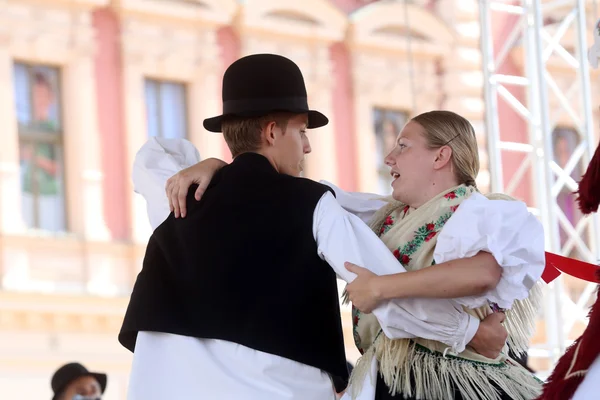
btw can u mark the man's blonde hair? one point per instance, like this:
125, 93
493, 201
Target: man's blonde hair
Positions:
243, 134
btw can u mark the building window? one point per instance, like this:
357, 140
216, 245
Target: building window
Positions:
166, 109
37, 95
388, 124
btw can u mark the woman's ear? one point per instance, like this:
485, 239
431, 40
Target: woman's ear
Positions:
443, 157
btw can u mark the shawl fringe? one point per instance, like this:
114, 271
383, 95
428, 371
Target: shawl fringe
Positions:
436, 377
520, 319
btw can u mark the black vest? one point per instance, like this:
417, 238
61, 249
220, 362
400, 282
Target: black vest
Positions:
242, 266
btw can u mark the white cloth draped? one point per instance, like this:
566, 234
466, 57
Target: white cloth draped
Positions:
508, 231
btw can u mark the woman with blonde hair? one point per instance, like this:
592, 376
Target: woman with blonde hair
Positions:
435, 215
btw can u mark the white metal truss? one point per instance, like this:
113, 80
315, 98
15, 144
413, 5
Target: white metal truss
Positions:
540, 43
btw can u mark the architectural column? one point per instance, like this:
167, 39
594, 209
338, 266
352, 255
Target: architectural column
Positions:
14, 266
322, 162
135, 126
204, 95
364, 136
11, 221
82, 137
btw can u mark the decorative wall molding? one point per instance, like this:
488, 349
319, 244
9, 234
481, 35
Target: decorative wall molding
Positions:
61, 313
68, 265
318, 20
47, 32
176, 53
207, 12
382, 26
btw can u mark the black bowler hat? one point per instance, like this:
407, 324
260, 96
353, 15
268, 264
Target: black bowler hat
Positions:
70, 372
259, 84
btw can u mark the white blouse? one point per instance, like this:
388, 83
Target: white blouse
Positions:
172, 366
504, 228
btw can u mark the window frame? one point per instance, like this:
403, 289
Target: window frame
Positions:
158, 82
28, 136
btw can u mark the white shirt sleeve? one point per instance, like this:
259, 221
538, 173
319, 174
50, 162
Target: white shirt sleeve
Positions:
363, 205
156, 161
507, 230
342, 237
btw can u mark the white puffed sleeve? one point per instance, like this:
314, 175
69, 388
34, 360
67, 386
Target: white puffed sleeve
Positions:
155, 162
363, 205
505, 229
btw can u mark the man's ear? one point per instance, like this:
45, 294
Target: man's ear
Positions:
269, 133
443, 157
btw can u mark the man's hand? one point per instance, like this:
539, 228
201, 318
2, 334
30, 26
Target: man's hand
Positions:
178, 185
363, 291
491, 336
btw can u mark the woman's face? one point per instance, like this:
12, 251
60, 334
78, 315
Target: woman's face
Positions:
412, 165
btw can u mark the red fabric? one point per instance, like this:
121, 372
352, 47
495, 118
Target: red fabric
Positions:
570, 370
550, 272
589, 187
555, 264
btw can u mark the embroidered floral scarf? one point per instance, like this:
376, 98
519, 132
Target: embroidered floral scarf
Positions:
411, 234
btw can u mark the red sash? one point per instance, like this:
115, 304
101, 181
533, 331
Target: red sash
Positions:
555, 265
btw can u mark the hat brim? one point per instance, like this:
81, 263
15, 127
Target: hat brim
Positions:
315, 119
101, 378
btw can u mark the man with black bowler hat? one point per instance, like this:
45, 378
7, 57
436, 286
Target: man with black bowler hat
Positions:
74, 382
239, 300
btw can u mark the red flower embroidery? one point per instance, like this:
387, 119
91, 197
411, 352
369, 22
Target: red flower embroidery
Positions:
450, 195
397, 254
405, 210
389, 221
430, 236
453, 208
430, 227
405, 259
355, 320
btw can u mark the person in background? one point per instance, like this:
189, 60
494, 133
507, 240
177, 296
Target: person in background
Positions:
73, 381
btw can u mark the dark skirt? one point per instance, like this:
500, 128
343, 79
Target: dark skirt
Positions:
382, 392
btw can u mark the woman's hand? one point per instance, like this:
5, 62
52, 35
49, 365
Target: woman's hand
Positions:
363, 291
178, 185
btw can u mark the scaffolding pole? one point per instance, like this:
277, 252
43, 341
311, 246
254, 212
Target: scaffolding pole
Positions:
540, 43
